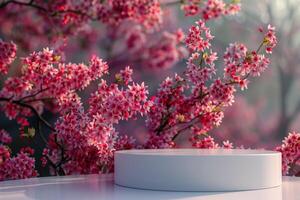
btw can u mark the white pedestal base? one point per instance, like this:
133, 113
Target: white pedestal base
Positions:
198, 169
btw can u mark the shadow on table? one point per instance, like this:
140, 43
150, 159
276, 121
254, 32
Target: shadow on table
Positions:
137, 194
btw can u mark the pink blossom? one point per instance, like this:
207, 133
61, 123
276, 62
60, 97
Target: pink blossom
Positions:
199, 75
190, 9
18, 167
290, 150
154, 50
210, 9
146, 12
124, 76
5, 137
7, 55
209, 143
55, 21
240, 63
222, 93
199, 37
227, 145
270, 39
159, 142
4, 154
206, 143
27, 150
165, 52
135, 37
125, 142
88, 136
213, 9
44, 75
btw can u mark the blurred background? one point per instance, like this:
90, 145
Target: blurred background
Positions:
260, 117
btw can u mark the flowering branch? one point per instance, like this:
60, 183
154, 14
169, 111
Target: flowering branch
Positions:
30, 4
25, 105
175, 112
45, 10
58, 167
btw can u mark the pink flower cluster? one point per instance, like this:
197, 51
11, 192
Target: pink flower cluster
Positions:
84, 141
270, 39
69, 15
111, 12
7, 55
19, 167
5, 137
241, 63
125, 76
222, 92
81, 141
290, 150
209, 143
44, 77
165, 52
158, 50
195, 101
55, 22
199, 37
210, 9
146, 12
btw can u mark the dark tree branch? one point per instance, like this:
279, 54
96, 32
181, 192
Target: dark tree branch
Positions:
30, 4
181, 130
35, 112
33, 95
45, 10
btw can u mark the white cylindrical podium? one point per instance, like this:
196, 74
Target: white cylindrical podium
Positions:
198, 169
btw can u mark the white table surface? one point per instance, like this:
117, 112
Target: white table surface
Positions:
102, 187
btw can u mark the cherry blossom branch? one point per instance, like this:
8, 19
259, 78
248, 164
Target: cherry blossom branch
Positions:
185, 128
191, 123
63, 160
48, 159
39, 99
163, 127
52, 164
164, 119
164, 123
40, 8
33, 95
22, 104
39, 130
30, 4
181, 130
201, 96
